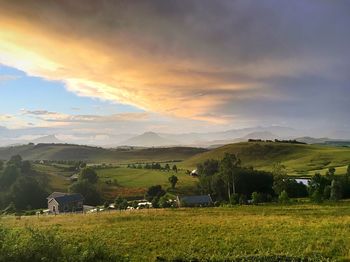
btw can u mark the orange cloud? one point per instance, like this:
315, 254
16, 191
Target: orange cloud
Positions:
138, 55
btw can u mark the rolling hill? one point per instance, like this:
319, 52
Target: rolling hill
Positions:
97, 154
299, 159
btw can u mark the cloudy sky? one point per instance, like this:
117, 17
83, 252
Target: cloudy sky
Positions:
85, 66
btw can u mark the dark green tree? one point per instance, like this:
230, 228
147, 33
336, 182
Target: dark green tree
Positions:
336, 190
174, 168
318, 183
173, 180
1, 165
154, 191
256, 198
27, 192
9, 176
87, 190
120, 203
16, 161
26, 167
88, 174
208, 167
330, 173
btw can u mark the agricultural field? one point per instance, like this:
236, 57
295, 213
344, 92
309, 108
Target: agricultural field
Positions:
241, 233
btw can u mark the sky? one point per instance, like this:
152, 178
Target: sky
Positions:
110, 67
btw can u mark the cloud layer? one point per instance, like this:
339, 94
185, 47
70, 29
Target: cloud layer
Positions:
221, 62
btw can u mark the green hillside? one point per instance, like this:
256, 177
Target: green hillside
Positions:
97, 154
299, 159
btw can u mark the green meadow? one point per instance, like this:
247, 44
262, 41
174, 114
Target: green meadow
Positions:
297, 232
300, 160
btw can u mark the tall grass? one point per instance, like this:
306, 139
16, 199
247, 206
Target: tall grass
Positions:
32, 244
300, 232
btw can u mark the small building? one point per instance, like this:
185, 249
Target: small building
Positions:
64, 202
194, 173
195, 201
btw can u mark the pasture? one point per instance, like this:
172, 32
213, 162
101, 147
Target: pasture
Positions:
301, 231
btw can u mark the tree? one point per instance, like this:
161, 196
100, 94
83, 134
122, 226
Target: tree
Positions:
167, 167
164, 202
87, 190
228, 168
121, 203
16, 161
9, 176
283, 197
330, 173
26, 193
336, 190
173, 180
318, 183
1, 164
316, 196
26, 167
154, 192
174, 168
279, 178
256, 198
347, 171
208, 167
88, 174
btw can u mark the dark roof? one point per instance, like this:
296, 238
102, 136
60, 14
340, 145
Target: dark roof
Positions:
68, 198
56, 194
196, 200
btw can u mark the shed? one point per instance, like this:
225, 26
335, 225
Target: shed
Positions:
194, 201
63, 202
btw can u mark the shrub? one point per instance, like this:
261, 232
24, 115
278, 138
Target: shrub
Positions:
283, 198
256, 198
31, 245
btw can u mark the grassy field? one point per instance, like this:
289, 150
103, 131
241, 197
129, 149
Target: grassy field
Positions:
304, 231
127, 182
301, 160
135, 181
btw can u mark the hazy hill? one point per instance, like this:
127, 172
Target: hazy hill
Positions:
264, 135
50, 139
297, 158
97, 154
149, 139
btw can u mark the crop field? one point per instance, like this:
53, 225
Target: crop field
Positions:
300, 231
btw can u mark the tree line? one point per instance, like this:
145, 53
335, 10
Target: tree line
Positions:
228, 181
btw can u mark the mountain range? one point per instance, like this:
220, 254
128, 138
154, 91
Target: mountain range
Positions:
152, 139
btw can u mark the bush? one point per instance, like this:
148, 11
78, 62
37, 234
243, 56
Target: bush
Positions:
234, 199
31, 245
316, 197
256, 198
283, 198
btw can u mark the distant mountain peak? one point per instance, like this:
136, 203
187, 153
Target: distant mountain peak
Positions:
49, 139
149, 139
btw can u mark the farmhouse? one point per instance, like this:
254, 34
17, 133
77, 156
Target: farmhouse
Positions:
194, 201
63, 202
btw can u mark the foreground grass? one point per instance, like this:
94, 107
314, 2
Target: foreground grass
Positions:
298, 231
